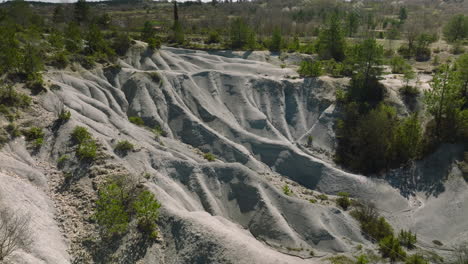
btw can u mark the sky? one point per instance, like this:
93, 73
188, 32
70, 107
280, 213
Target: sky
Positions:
71, 1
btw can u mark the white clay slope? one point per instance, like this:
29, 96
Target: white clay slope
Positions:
256, 119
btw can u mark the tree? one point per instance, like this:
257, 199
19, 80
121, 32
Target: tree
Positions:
461, 254
310, 68
462, 69
147, 210
73, 38
456, 29
362, 259
367, 57
422, 51
444, 102
96, 42
276, 40
331, 42
403, 14
81, 11
408, 139
121, 43
241, 35
59, 15
32, 62
110, 209
408, 75
390, 248
176, 12
147, 32
10, 55
398, 64
14, 232
352, 23
407, 239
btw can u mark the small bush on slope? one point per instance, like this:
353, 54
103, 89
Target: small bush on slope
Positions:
111, 213
119, 201
147, 212
407, 239
124, 147
136, 120
343, 200
87, 150
80, 134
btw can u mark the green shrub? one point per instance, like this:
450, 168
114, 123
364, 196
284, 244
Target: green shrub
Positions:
121, 44
416, 259
13, 130
398, 64
312, 201
322, 197
407, 239
87, 150
80, 135
409, 91
155, 77
389, 247
38, 142
33, 133
62, 159
60, 60
124, 147
136, 120
154, 43
36, 84
286, 190
310, 139
147, 212
3, 137
340, 96
371, 223
111, 212
213, 37
457, 48
340, 259
343, 200
362, 259
158, 131
209, 156
310, 68
64, 116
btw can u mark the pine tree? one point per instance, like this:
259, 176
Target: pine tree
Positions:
331, 42
81, 11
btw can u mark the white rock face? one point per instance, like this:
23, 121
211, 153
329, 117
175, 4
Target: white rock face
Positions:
256, 119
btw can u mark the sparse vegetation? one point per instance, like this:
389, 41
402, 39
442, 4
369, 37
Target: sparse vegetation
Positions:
120, 201
80, 135
124, 147
322, 197
111, 213
64, 116
407, 239
147, 212
372, 224
343, 200
136, 120
14, 232
87, 150
286, 190
209, 156
389, 247
34, 134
